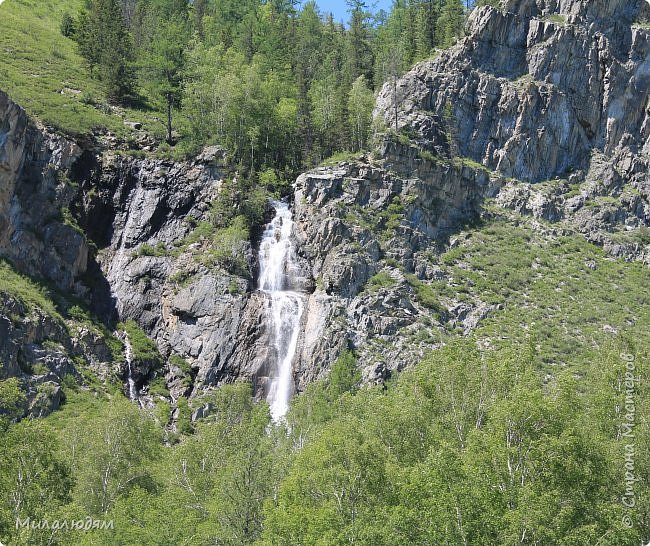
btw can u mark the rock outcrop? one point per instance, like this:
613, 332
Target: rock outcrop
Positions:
368, 228
539, 91
535, 87
37, 231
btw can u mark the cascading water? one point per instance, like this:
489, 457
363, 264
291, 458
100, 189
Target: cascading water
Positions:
128, 355
284, 308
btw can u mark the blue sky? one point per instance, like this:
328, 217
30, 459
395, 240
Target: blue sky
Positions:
340, 9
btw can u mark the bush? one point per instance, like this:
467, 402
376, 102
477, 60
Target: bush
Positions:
67, 25
425, 294
148, 250
229, 248
143, 348
382, 279
344, 375
33, 295
245, 197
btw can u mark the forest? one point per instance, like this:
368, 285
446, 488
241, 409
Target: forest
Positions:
281, 86
467, 448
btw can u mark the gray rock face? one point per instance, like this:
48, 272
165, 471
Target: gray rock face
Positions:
154, 274
40, 350
367, 229
609, 204
541, 90
544, 90
34, 197
533, 89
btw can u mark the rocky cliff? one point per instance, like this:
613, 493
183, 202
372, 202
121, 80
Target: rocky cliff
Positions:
543, 106
541, 109
42, 342
553, 92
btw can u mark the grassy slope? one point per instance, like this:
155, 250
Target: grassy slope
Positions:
27, 291
558, 290
38, 63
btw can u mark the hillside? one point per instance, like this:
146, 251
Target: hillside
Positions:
438, 335
43, 71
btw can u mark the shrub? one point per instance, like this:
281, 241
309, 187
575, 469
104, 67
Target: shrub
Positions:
143, 348
382, 279
425, 294
67, 25
148, 250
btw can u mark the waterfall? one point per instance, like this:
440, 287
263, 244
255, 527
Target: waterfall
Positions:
284, 306
128, 354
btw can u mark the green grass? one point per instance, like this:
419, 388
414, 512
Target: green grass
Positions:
228, 248
82, 316
42, 71
425, 294
460, 162
639, 236
35, 295
32, 294
548, 293
556, 18
148, 250
428, 156
392, 217
203, 231
339, 157
184, 366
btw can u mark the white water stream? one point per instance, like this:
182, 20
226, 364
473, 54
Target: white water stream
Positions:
128, 354
277, 259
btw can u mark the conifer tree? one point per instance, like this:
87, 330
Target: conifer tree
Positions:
450, 22
105, 42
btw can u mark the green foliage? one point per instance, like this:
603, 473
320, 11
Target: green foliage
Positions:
344, 375
12, 401
184, 422
280, 87
466, 438
67, 25
228, 248
556, 18
360, 104
451, 22
547, 287
427, 156
70, 221
392, 217
642, 23
144, 349
54, 88
493, 3
182, 364
158, 387
30, 293
383, 279
244, 197
105, 43
109, 452
471, 438
34, 480
339, 157
148, 250
425, 293
203, 231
